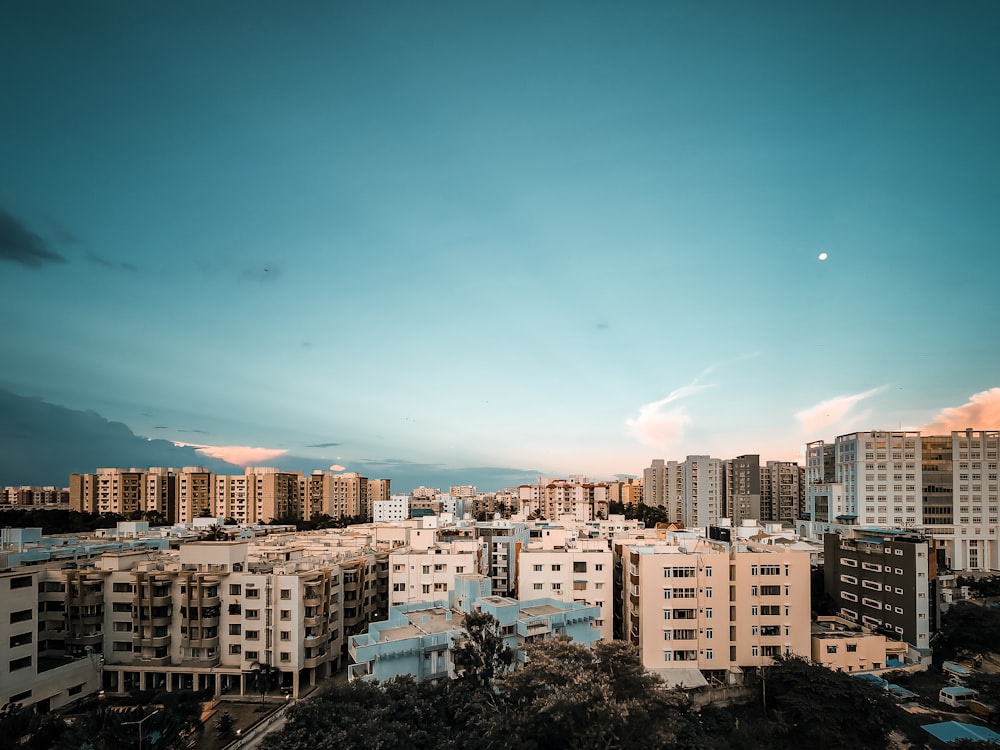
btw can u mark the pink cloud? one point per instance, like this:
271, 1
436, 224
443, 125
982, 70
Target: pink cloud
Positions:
241, 455
660, 427
981, 411
337, 467
835, 412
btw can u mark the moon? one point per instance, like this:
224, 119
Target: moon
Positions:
823, 256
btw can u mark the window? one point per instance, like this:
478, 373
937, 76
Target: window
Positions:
285, 656
235, 629
538, 568
121, 588
538, 586
235, 589
253, 593
556, 568
235, 648
396, 587
425, 588
20, 582
250, 655
253, 614
852, 648
831, 649
21, 639
25, 614
253, 635
286, 635
286, 593
599, 566
556, 586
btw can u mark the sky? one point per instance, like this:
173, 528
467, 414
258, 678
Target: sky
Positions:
554, 238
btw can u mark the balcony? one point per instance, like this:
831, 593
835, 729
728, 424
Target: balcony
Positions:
151, 641
312, 662
152, 661
85, 639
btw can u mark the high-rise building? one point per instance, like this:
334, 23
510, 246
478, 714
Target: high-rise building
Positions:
782, 491
742, 488
887, 582
714, 608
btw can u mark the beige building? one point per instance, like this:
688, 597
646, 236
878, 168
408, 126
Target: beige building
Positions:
842, 645
714, 608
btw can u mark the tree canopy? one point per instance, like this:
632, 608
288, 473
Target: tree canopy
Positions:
967, 628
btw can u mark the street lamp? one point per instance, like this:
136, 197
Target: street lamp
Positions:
140, 723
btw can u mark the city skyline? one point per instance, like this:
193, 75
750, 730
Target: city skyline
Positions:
543, 241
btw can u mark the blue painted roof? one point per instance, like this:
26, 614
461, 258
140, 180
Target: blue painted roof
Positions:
952, 731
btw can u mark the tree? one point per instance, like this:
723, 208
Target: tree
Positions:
224, 726
809, 705
569, 696
967, 628
264, 677
482, 656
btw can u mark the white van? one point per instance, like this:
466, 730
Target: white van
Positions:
957, 697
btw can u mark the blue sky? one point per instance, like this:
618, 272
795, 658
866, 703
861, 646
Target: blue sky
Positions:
557, 237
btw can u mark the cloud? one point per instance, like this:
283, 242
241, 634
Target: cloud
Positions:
241, 455
661, 427
981, 411
324, 445
836, 411
337, 467
98, 260
18, 244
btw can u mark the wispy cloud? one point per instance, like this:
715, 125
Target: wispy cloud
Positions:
981, 411
18, 244
98, 260
838, 412
324, 445
660, 426
240, 455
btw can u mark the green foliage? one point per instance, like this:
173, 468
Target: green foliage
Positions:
967, 628
808, 705
570, 696
58, 521
482, 656
650, 515
982, 587
224, 726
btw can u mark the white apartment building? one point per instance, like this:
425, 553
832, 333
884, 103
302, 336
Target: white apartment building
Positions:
943, 486
702, 491
581, 571
425, 570
714, 609
396, 508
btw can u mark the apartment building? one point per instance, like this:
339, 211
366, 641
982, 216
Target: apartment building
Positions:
943, 486
782, 491
418, 639
714, 608
663, 486
702, 502
742, 488
582, 571
33, 496
396, 508
502, 544
260, 495
886, 581
425, 570
32, 673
